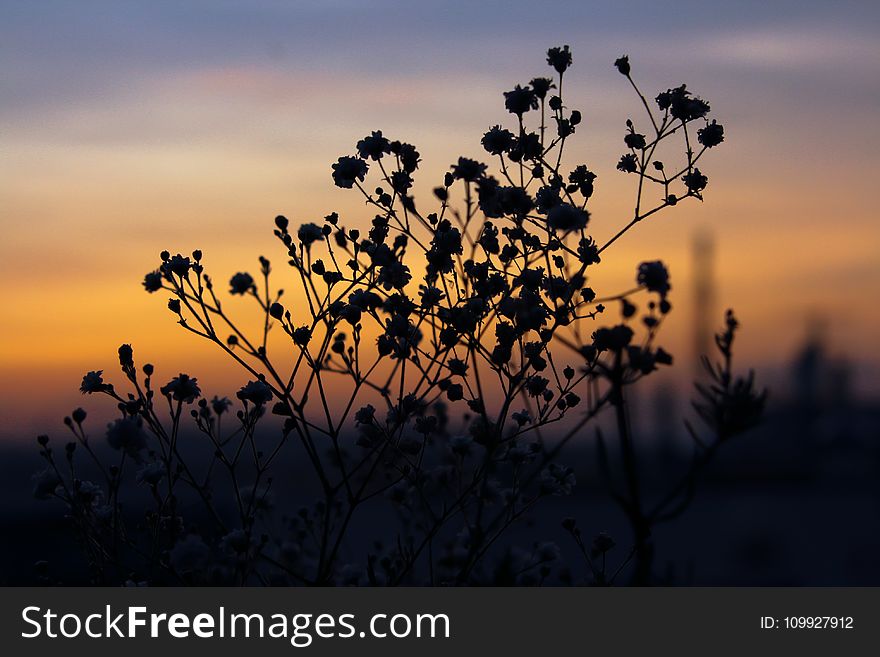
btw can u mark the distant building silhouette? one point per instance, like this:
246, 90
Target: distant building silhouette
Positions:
818, 379
703, 281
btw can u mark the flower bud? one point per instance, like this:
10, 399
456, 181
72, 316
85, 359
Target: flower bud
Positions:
126, 356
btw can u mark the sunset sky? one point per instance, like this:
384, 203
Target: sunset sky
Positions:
128, 128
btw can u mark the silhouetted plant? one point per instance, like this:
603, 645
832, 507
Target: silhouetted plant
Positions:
417, 365
728, 405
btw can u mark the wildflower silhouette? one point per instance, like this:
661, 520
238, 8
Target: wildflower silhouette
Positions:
415, 370
728, 405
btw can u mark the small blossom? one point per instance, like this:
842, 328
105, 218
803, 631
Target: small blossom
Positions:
241, 283
682, 105
430, 296
409, 156
455, 392
635, 141
365, 414
711, 135
94, 382
615, 338
654, 276
256, 392
348, 170
468, 170
520, 100
401, 181
394, 275
583, 178
374, 146
628, 163
546, 199
153, 281
559, 58
220, 405
536, 385
566, 217
564, 128
276, 310
497, 140
522, 417
541, 86
126, 356
527, 147
695, 181
302, 336
182, 388
622, 65
309, 233
457, 367
179, 265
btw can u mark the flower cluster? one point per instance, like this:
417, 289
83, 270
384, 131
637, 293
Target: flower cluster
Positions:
415, 363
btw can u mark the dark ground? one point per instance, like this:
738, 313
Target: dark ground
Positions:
795, 502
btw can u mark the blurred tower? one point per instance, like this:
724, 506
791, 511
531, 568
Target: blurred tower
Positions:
703, 277
808, 368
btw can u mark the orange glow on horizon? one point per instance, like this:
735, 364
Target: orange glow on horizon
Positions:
206, 157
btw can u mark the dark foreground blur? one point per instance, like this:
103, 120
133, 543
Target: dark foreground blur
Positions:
794, 502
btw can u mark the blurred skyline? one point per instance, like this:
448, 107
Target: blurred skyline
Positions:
129, 128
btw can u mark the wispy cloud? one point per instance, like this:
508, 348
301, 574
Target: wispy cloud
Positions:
812, 48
